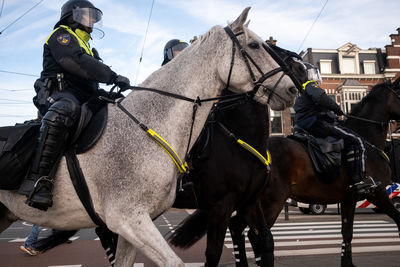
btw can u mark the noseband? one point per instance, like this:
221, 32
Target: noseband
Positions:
283, 66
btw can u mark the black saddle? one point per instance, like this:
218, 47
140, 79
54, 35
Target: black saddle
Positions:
325, 153
89, 129
18, 143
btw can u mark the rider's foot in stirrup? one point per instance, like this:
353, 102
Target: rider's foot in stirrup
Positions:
41, 196
362, 187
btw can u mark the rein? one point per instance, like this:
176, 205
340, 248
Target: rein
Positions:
382, 124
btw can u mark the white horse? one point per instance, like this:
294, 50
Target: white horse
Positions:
130, 178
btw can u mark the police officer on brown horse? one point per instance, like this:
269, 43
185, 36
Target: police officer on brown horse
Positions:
314, 113
70, 77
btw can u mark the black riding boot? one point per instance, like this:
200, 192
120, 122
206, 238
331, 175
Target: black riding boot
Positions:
356, 172
39, 184
54, 132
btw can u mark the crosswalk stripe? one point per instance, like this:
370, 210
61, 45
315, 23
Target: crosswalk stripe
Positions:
369, 236
327, 242
326, 222
18, 240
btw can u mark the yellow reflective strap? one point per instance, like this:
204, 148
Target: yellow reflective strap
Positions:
268, 157
385, 156
82, 43
50, 35
167, 148
305, 84
255, 152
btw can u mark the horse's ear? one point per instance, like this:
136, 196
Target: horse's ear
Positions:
247, 24
239, 22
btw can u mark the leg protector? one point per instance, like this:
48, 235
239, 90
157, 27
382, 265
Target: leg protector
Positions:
54, 132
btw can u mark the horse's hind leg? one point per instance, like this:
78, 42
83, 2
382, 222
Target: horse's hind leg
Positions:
348, 209
6, 217
236, 227
381, 199
126, 253
139, 230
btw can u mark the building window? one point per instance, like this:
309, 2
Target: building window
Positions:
351, 97
292, 113
326, 66
349, 65
276, 122
369, 66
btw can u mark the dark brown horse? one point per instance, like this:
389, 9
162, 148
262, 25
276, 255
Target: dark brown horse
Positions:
219, 165
292, 173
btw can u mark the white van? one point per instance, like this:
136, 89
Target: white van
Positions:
318, 209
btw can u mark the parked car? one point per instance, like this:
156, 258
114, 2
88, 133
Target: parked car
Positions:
318, 209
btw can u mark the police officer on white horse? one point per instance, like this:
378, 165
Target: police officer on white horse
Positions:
70, 77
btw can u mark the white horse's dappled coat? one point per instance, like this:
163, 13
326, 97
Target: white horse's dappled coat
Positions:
131, 179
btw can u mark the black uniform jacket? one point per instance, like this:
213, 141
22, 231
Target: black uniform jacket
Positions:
82, 72
311, 104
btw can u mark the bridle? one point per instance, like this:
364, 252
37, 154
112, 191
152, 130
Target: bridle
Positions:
283, 66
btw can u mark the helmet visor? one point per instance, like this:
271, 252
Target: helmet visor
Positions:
313, 74
87, 16
179, 46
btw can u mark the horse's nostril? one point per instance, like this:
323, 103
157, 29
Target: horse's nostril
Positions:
293, 90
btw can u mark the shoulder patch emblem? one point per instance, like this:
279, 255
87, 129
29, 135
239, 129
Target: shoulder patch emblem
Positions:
64, 39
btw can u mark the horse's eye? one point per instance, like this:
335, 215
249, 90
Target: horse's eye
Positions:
254, 45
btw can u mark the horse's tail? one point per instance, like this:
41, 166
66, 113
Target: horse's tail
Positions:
57, 237
190, 230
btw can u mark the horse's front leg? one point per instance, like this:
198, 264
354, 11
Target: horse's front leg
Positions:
260, 236
139, 230
217, 224
348, 209
381, 199
236, 227
126, 253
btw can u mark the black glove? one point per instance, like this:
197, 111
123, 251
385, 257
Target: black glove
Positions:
122, 82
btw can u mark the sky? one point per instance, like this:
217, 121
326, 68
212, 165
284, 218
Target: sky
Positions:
366, 23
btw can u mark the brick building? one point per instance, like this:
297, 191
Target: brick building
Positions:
348, 73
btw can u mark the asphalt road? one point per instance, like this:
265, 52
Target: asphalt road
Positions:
303, 240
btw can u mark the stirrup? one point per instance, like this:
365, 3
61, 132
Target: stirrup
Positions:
33, 191
374, 185
42, 178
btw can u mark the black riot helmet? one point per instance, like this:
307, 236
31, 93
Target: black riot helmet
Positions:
171, 47
82, 12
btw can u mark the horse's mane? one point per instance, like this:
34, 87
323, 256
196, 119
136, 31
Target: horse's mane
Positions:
204, 37
375, 93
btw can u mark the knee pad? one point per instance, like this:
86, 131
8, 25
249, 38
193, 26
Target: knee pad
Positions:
63, 113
